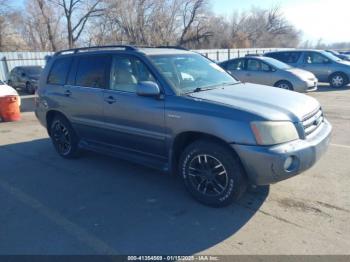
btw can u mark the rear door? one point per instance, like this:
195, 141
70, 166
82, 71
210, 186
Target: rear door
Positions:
84, 94
134, 123
76, 85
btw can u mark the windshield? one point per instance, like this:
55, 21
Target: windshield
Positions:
191, 72
333, 52
276, 63
35, 70
330, 56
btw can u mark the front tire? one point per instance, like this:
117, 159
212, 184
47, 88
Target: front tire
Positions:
284, 85
338, 80
212, 173
64, 138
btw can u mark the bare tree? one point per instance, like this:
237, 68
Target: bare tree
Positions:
49, 20
77, 13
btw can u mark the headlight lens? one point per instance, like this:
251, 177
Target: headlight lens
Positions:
272, 133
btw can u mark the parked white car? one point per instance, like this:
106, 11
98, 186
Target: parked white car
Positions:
6, 90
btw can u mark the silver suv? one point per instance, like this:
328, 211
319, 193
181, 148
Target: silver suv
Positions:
325, 66
176, 110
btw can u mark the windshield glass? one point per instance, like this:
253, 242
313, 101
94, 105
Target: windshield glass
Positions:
276, 63
333, 52
35, 70
191, 72
330, 56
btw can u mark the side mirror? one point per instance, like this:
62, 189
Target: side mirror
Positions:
147, 88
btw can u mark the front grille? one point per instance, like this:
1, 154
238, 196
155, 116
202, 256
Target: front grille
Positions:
312, 122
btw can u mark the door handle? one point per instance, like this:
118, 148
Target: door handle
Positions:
67, 93
110, 99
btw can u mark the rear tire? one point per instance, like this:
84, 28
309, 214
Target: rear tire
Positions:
283, 84
338, 80
64, 138
212, 173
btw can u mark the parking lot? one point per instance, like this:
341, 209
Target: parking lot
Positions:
101, 205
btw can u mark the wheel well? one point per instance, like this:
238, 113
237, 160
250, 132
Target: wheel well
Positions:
182, 140
340, 73
50, 116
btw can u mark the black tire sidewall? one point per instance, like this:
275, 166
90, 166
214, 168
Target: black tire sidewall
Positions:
236, 183
72, 135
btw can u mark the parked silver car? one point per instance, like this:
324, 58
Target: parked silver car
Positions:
326, 67
271, 72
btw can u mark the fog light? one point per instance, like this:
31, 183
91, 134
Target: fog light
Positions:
288, 163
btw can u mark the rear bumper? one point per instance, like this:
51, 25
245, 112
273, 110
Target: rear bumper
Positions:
265, 165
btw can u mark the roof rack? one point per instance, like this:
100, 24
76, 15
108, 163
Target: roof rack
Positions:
172, 46
76, 50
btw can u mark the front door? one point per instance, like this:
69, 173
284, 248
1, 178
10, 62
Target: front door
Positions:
134, 123
258, 72
318, 64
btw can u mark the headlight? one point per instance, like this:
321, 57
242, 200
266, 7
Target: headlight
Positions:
272, 133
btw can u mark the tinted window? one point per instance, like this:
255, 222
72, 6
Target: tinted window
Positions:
92, 71
127, 72
33, 70
59, 71
286, 57
237, 64
315, 58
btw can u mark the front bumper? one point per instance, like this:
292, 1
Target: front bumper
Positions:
265, 164
311, 85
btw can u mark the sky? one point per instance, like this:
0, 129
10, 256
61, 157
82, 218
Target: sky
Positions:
328, 20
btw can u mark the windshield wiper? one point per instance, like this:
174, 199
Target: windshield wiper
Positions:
206, 88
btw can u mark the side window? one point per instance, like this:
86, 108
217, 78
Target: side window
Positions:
253, 65
292, 57
237, 64
314, 58
59, 71
127, 72
92, 71
265, 67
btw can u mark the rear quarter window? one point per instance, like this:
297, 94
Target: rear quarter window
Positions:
59, 71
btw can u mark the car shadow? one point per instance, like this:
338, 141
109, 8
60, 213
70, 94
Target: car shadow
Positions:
327, 88
132, 209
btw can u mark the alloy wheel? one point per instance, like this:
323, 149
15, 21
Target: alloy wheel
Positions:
208, 175
337, 81
61, 138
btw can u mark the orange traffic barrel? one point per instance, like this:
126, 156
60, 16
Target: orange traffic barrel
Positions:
9, 108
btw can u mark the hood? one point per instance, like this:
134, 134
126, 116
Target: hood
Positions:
302, 74
271, 103
6, 90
